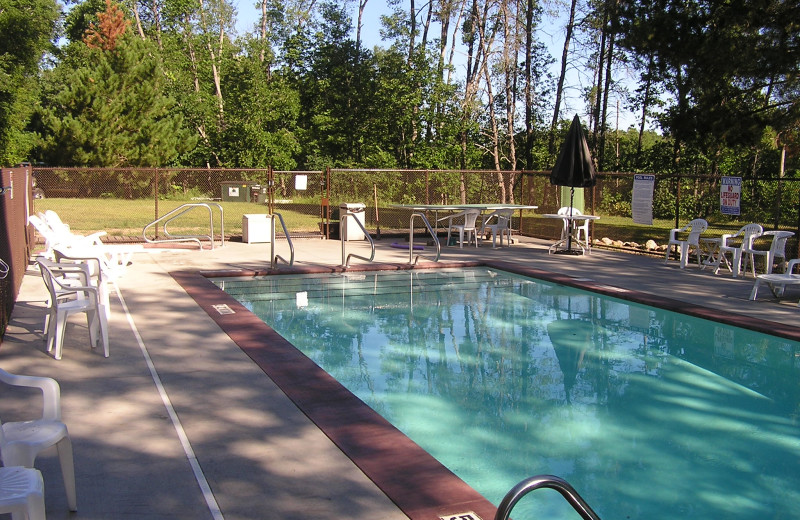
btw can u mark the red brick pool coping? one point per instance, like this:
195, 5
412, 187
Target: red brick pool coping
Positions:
415, 481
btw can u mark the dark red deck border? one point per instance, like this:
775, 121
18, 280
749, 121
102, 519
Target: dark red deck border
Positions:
416, 482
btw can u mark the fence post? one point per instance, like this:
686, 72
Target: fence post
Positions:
155, 198
677, 200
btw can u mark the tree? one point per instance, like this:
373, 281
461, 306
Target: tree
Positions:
28, 27
107, 107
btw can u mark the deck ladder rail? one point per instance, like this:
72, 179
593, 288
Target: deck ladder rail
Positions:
274, 259
544, 481
181, 210
411, 259
342, 223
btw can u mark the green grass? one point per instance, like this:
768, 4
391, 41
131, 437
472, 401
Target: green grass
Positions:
129, 217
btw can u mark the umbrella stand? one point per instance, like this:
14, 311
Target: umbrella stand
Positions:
569, 250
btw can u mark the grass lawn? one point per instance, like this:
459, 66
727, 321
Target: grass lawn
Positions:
120, 217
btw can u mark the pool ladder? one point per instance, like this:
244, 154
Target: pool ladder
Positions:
346, 258
544, 481
411, 259
273, 258
167, 218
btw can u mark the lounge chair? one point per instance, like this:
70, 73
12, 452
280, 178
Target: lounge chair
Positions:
777, 282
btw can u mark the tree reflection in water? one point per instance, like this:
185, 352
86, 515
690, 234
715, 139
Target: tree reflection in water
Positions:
649, 414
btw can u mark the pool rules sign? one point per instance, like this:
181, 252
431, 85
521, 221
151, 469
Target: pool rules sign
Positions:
730, 194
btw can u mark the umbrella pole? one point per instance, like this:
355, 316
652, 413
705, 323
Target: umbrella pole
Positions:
569, 227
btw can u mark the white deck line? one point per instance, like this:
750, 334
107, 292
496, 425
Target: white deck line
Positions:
199, 476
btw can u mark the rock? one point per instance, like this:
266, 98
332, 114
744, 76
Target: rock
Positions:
651, 245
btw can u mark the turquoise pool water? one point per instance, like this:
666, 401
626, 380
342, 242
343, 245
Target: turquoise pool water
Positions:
648, 414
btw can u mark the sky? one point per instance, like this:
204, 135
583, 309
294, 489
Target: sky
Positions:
552, 35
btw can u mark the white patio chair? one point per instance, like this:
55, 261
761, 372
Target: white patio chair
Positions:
21, 442
695, 228
465, 228
22, 493
501, 226
580, 227
731, 244
777, 249
66, 298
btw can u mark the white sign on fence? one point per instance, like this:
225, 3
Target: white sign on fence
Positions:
642, 205
730, 194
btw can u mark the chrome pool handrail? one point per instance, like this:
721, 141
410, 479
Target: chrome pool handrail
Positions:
343, 219
177, 212
411, 240
545, 481
273, 257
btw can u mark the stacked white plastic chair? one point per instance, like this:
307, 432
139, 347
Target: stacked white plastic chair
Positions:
21, 442
70, 295
22, 493
695, 228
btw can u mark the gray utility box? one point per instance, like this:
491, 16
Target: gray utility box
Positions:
350, 229
256, 228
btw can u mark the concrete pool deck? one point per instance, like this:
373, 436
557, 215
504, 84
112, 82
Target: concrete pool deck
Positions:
175, 383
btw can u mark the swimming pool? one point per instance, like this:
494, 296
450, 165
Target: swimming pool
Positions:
659, 416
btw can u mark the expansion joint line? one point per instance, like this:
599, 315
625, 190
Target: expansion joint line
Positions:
205, 488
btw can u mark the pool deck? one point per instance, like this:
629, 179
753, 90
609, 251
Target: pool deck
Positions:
176, 383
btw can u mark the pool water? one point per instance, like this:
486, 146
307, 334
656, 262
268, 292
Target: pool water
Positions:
647, 413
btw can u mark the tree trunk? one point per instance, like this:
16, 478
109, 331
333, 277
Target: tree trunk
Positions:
551, 146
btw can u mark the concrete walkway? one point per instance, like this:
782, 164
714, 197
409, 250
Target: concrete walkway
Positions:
179, 423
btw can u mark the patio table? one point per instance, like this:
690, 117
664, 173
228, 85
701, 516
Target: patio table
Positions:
568, 220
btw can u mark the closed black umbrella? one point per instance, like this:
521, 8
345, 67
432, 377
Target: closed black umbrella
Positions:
574, 166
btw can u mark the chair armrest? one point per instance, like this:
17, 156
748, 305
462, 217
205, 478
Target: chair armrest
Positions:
51, 392
791, 265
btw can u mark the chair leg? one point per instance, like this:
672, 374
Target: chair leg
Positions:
684, 254
64, 447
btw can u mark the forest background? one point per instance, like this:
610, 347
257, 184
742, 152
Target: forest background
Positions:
144, 83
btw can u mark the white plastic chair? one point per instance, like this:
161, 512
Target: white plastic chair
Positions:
502, 225
578, 229
729, 245
22, 493
695, 228
21, 442
777, 249
70, 296
466, 228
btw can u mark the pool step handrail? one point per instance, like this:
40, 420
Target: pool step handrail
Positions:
274, 259
411, 259
544, 481
342, 222
181, 210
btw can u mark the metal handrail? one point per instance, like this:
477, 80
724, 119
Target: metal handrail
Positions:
545, 481
179, 211
411, 240
342, 220
273, 257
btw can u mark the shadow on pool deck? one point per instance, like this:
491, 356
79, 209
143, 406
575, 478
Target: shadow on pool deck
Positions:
260, 455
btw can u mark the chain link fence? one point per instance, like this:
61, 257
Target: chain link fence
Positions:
123, 201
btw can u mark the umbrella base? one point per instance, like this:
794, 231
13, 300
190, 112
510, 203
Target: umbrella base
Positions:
575, 252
